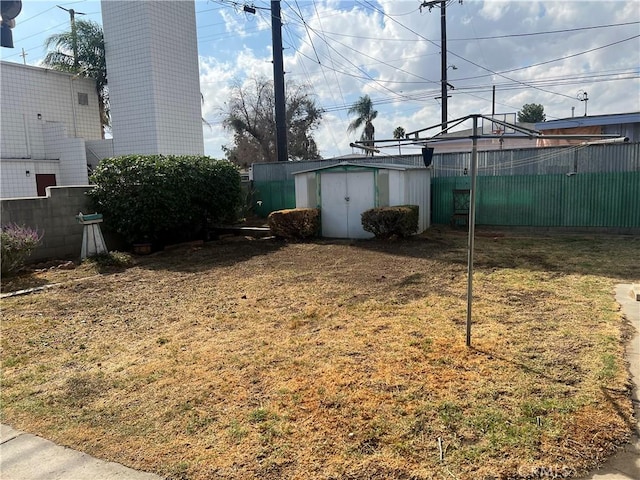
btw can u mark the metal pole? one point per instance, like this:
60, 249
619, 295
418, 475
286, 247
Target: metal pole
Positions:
493, 102
74, 34
74, 38
443, 60
278, 83
472, 225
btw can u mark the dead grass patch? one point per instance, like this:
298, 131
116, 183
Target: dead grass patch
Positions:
332, 360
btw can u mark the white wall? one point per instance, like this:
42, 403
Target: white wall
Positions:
306, 186
412, 187
418, 192
154, 86
71, 155
43, 126
97, 150
14, 182
27, 91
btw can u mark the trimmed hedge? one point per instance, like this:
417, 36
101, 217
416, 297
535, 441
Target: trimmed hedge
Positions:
385, 222
162, 198
295, 223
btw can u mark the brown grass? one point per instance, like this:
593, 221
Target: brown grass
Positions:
331, 360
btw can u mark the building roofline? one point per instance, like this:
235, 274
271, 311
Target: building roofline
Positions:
365, 166
45, 70
589, 121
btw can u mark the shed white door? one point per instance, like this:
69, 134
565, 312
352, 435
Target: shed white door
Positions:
344, 196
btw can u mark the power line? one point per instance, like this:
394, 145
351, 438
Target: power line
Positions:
493, 37
380, 62
466, 59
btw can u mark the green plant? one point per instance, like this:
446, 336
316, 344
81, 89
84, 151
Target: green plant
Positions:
385, 222
161, 198
110, 259
16, 244
295, 223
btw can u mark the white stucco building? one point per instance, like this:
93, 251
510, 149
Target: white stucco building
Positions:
45, 118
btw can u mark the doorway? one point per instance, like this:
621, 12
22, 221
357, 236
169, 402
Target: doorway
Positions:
44, 180
344, 196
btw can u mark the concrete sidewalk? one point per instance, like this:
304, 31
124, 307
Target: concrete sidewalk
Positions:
27, 457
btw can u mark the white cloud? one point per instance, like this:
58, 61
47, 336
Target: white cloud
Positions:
349, 49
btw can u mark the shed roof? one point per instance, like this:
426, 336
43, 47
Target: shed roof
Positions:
360, 166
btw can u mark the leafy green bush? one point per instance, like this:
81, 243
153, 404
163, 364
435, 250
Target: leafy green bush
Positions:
295, 223
16, 244
160, 198
385, 222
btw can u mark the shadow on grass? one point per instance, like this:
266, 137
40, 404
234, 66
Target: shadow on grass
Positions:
538, 372
602, 255
22, 281
615, 397
216, 253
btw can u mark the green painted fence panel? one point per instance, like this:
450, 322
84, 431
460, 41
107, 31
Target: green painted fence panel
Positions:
602, 200
519, 200
609, 199
274, 195
442, 196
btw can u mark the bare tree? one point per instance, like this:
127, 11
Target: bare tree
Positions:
250, 115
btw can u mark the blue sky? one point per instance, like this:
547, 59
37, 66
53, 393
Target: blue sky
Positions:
544, 52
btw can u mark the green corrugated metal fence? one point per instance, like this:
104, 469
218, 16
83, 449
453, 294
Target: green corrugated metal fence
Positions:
274, 195
609, 199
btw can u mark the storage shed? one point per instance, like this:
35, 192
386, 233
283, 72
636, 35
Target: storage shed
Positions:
344, 191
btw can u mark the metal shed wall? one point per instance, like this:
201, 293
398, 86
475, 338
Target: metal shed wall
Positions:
622, 157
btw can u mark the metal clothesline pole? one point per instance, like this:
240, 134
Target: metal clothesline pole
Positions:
472, 225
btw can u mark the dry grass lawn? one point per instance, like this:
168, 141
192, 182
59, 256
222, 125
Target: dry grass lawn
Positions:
330, 360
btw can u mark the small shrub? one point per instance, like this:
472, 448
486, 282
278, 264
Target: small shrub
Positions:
110, 259
295, 224
16, 242
385, 222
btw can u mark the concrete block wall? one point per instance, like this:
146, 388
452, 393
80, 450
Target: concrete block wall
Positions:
54, 217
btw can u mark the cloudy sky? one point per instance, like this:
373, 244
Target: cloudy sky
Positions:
547, 52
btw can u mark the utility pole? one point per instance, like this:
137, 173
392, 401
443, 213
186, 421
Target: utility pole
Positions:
443, 62
582, 96
74, 33
493, 102
24, 56
278, 82
443, 54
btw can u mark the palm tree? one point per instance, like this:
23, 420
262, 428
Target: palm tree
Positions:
363, 108
88, 40
399, 134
